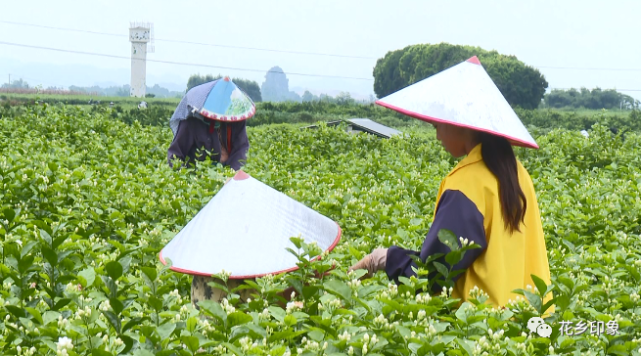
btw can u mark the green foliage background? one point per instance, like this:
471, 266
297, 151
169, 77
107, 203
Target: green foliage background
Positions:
306, 113
88, 201
590, 99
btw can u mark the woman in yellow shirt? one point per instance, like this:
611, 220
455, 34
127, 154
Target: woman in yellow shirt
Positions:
488, 198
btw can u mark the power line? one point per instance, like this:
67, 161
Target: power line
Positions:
188, 42
180, 63
593, 68
600, 88
284, 51
228, 68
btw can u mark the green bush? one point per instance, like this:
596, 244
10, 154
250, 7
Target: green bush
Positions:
87, 203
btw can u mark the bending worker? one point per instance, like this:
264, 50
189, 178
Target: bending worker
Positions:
210, 121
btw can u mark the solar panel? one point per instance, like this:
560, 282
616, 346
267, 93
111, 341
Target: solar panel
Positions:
363, 125
373, 127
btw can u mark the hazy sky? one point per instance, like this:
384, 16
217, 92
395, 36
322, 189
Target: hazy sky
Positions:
576, 35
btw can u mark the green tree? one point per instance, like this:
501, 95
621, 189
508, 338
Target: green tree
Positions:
387, 76
344, 98
160, 92
521, 85
589, 99
16, 84
250, 87
307, 96
197, 79
327, 99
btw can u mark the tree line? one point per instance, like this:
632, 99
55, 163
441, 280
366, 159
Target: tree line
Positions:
590, 99
522, 85
158, 114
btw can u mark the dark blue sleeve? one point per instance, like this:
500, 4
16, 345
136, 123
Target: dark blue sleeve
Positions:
182, 143
240, 145
455, 212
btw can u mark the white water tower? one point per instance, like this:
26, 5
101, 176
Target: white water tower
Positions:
139, 35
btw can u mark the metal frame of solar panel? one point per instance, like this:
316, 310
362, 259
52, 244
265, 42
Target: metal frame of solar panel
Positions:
362, 125
328, 123
373, 127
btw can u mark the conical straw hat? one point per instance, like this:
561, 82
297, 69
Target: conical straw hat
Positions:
463, 95
245, 230
219, 100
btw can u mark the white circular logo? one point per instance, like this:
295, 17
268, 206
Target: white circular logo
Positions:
544, 330
538, 326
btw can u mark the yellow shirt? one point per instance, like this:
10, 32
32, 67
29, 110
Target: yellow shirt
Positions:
510, 258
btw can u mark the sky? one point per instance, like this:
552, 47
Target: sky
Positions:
573, 43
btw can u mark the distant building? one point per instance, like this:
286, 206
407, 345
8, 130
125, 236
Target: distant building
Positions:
140, 34
276, 87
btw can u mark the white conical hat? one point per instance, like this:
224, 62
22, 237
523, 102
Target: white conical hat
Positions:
245, 230
463, 95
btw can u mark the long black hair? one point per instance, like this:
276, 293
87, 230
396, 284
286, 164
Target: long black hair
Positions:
499, 157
